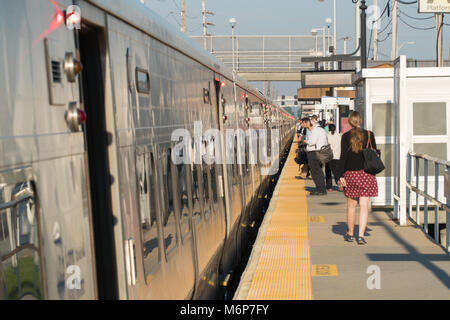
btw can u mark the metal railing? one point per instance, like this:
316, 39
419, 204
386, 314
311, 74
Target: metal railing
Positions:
427, 197
265, 53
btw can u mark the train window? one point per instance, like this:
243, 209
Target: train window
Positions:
235, 163
168, 213
206, 190
183, 200
247, 155
148, 216
214, 194
206, 96
142, 81
196, 209
20, 261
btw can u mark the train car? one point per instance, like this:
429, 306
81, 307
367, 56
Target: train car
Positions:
92, 206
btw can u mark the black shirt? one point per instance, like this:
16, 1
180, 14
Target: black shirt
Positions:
350, 161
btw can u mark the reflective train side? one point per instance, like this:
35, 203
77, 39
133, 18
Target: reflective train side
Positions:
99, 210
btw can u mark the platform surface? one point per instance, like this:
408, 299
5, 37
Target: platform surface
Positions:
300, 252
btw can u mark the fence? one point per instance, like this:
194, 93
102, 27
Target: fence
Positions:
433, 199
265, 53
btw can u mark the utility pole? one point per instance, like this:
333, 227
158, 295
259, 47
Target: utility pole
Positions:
375, 32
183, 16
357, 33
394, 52
439, 38
205, 23
335, 35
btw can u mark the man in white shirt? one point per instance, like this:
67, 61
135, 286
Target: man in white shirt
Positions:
316, 139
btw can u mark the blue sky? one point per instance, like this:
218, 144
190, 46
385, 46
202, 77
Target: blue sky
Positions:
298, 17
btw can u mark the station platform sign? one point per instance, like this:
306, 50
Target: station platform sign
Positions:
434, 6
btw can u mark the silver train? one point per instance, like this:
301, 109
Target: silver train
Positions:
97, 210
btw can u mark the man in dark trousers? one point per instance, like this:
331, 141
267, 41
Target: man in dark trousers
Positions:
316, 139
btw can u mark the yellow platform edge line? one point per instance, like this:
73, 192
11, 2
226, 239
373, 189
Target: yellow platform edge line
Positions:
289, 279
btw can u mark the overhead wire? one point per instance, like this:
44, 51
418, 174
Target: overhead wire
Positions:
416, 28
387, 36
406, 2
415, 18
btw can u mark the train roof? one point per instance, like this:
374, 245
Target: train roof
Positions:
143, 18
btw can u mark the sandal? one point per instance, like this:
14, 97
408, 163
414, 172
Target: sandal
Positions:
361, 240
348, 237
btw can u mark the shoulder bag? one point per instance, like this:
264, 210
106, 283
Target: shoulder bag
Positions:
325, 154
372, 161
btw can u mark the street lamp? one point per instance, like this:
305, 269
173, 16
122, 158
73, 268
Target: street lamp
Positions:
346, 38
314, 33
232, 22
334, 28
328, 21
409, 42
335, 22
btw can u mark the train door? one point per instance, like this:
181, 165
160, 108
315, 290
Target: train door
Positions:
217, 170
92, 46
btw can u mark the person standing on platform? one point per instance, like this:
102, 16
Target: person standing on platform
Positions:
334, 139
301, 151
316, 139
358, 184
299, 129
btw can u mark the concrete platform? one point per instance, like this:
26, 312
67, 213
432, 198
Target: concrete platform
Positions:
396, 263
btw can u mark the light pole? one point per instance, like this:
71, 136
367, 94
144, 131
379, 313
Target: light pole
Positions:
328, 21
233, 22
334, 29
314, 33
334, 25
409, 42
345, 39
363, 26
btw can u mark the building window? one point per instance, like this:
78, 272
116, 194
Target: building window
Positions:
424, 125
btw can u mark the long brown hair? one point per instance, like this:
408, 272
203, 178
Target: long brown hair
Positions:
356, 133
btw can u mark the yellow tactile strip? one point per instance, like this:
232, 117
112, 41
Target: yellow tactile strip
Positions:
283, 271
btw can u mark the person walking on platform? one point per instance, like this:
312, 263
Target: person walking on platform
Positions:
334, 139
358, 184
316, 139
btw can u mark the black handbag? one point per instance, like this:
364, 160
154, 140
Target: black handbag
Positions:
300, 156
372, 161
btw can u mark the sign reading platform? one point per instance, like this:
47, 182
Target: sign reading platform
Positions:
434, 6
